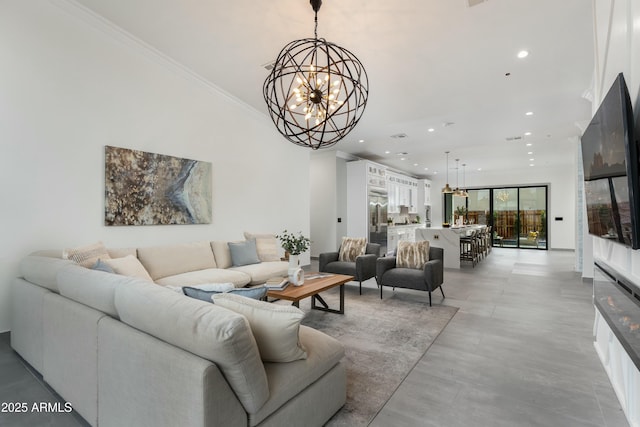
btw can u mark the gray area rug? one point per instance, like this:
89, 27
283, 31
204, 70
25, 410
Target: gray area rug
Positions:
383, 340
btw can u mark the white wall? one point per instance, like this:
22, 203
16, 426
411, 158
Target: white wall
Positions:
561, 196
324, 208
69, 85
617, 37
617, 41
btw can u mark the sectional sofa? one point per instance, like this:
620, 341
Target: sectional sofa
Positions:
131, 351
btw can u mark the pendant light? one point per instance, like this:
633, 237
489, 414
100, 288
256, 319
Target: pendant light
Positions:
316, 91
446, 189
457, 191
463, 192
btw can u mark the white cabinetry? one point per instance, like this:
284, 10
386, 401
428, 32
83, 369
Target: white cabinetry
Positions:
403, 191
424, 185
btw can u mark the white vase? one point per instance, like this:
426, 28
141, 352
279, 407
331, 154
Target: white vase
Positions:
294, 263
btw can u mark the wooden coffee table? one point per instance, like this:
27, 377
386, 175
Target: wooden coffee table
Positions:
312, 288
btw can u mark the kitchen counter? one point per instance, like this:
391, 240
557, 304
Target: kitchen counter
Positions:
447, 239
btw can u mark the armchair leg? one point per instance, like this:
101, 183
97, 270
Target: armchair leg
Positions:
380, 291
361, 287
442, 291
429, 298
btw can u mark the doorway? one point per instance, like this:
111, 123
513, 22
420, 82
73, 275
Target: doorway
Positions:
518, 215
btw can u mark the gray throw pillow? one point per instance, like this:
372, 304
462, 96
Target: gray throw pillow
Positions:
244, 253
257, 292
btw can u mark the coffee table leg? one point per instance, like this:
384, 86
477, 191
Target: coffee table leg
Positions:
296, 304
325, 305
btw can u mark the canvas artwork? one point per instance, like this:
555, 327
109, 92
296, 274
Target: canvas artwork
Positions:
148, 189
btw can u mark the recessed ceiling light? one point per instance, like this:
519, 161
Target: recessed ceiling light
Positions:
403, 158
415, 164
387, 152
479, 169
531, 164
431, 129
529, 113
529, 144
530, 153
523, 54
361, 141
426, 169
531, 160
435, 173
527, 134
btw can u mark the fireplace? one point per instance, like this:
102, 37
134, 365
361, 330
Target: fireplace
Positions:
618, 301
617, 335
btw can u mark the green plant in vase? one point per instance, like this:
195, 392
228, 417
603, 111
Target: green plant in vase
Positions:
294, 245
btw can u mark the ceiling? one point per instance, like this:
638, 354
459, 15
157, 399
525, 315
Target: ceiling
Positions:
432, 64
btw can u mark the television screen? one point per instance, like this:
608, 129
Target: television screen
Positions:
610, 160
600, 209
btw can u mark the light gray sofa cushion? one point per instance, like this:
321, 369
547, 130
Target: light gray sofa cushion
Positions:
70, 346
27, 301
146, 382
259, 273
209, 275
204, 329
43, 270
93, 288
222, 253
286, 380
163, 261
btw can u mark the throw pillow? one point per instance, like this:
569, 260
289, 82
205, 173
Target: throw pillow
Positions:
257, 292
266, 246
128, 266
88, 255
102, 266
275, 327
351, 248
412, 254
243, 253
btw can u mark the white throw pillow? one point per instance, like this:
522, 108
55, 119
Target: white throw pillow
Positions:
128, 266
275, 327
266, 245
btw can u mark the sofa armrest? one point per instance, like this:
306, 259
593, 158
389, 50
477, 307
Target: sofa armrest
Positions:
326, 258
383, 265
433, 274
366, 266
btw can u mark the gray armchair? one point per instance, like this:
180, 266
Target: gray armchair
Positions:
428, 279
364, 268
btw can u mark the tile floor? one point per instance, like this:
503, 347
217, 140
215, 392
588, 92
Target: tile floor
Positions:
518, 353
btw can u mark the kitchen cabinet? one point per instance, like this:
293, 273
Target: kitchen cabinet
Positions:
403, 191
424, 185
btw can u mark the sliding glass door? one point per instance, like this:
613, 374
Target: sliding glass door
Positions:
533, 217
506, 225
518, 215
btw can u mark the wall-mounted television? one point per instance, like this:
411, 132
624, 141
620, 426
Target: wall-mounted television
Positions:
610, 160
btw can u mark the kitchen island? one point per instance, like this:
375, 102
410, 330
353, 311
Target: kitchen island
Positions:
447, 239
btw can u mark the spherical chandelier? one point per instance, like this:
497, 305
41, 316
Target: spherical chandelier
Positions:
317, 91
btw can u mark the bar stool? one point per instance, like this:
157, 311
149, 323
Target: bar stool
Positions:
469, 247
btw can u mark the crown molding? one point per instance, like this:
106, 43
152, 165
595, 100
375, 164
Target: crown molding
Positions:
113, 31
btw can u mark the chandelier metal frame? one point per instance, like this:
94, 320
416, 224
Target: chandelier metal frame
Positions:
317, 91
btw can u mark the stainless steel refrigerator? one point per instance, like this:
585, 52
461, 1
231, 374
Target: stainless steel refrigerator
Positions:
378, 203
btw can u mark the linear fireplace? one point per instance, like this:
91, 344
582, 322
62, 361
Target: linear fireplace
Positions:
618, 300
617, 335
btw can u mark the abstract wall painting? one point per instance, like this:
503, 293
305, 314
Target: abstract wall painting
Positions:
153, 189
